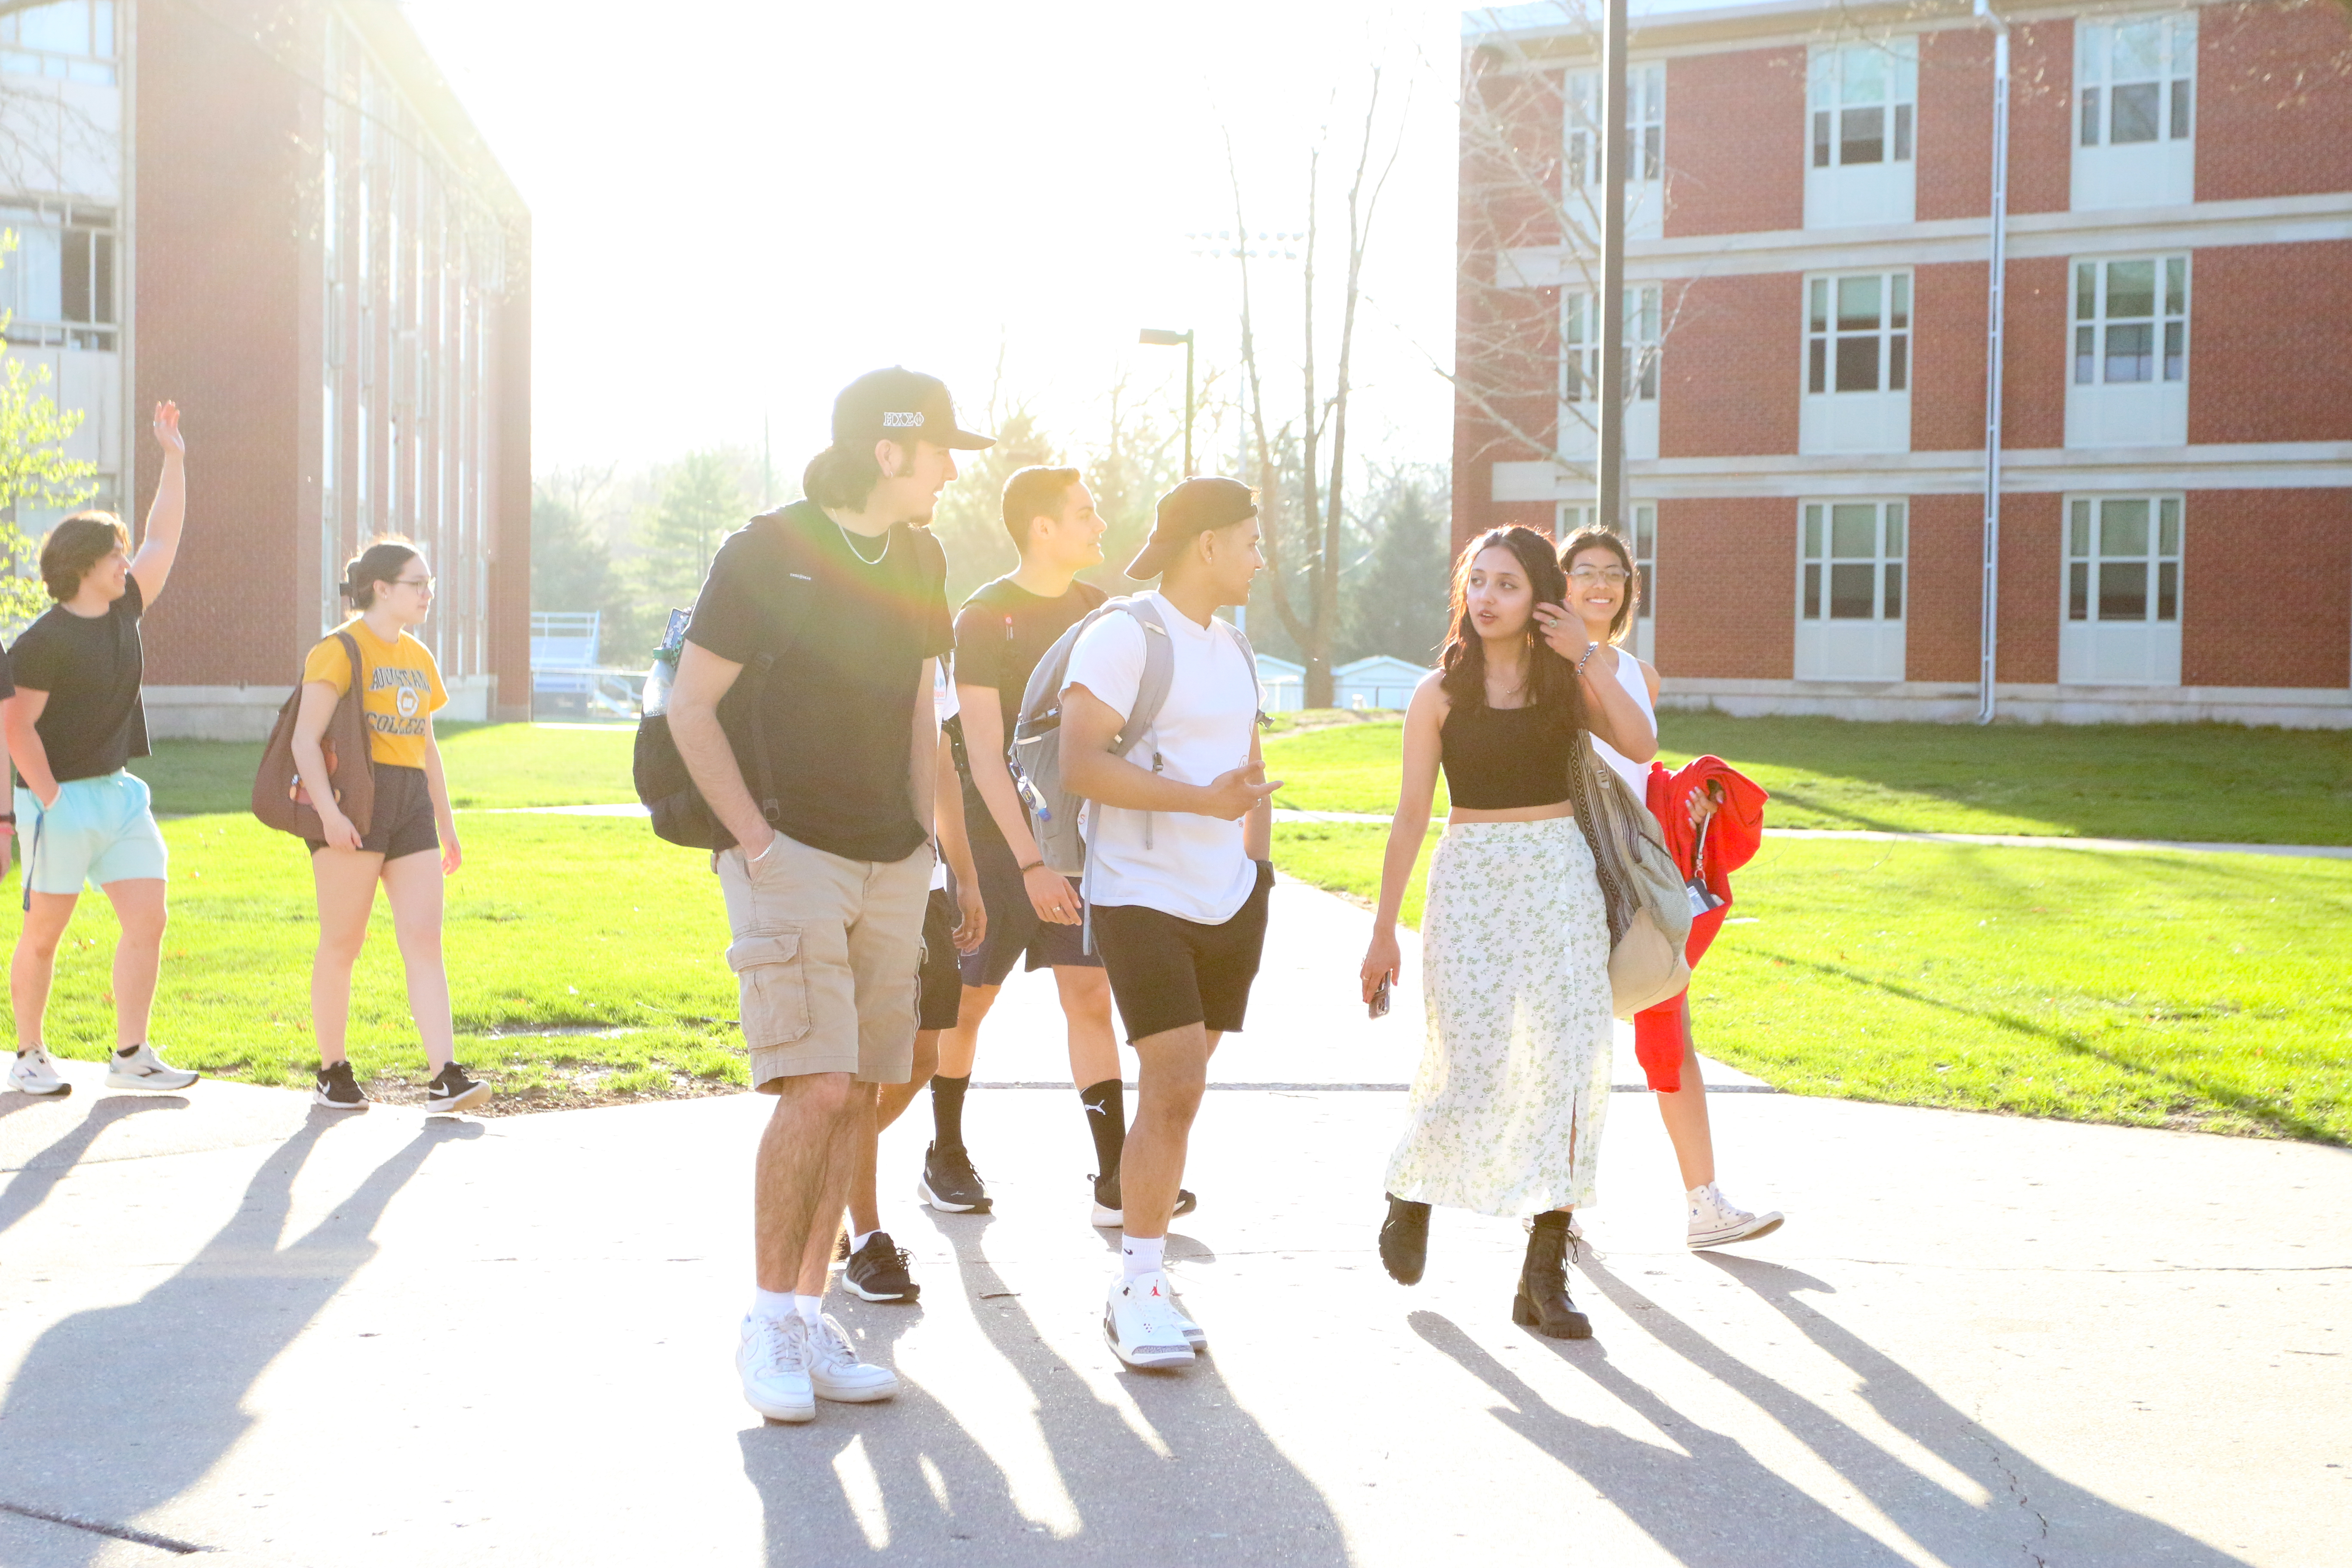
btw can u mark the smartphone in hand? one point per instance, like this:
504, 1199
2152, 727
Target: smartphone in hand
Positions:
1379, 1007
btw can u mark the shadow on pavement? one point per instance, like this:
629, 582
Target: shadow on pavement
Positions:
2053, 1517
39, 1175
117, 1410
1228, 1496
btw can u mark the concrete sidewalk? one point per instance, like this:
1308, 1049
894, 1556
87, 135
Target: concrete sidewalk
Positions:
303, 1338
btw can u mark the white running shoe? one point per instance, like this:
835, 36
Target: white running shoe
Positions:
838, 1375
142, 1069
34, 1073
771, 1356
1139, 1320
1716, 1220
1194, 1334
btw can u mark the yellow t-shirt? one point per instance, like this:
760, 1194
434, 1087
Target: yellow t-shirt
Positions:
404, 690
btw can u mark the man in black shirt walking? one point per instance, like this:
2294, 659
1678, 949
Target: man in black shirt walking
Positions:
839, 603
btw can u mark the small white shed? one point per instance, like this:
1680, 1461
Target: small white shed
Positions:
1382, 680
1283, 685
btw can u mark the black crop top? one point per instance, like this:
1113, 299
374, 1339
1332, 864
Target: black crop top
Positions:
1499, 758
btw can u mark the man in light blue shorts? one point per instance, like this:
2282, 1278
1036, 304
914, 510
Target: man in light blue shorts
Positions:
72, 722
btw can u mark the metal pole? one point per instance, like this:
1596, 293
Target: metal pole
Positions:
1996, 270
1611, 397
1188, 404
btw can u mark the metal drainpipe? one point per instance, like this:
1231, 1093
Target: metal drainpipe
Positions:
1996, 273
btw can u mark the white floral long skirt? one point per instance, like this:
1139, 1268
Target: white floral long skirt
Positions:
1505, 1110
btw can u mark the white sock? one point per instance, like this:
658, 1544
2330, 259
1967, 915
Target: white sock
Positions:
1142, 1254
812, 1308
857, 1242
773, 1304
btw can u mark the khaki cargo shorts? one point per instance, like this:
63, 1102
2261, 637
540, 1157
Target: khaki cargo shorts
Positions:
828, 954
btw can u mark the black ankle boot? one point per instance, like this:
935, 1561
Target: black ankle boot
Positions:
1405, 1240
1543, 1304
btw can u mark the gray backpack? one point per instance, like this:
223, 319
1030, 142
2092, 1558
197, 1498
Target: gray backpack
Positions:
1034, 755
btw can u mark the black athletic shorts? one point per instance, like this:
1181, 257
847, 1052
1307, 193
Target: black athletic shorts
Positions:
1014, 928
402, 821
941, 995
1167, 972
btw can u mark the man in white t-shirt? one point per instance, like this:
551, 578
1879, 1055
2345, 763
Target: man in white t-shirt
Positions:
1178, 830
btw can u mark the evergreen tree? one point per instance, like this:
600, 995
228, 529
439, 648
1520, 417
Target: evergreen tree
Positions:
702, 501
1394, 599
571, 568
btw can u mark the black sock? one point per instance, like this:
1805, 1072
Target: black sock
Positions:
946, 1110
1105, 1104
126, 1051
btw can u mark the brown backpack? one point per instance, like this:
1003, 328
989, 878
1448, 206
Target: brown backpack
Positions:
280, 798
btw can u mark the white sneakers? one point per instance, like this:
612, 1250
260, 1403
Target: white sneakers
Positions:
1716, 1220
787, 1366
1143, 1325
34, 1073
142, 1069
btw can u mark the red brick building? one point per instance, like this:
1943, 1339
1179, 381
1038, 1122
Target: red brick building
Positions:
1807, 276
278, 214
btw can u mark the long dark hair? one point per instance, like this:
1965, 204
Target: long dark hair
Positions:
1551, 683
1585, 539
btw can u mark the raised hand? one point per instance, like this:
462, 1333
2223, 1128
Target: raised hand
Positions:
167, 429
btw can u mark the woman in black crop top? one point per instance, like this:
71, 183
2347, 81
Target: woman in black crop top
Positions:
1505, 1111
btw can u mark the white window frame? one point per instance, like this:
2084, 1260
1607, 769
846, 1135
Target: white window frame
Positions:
2153, 58
1852, 647
1644, 547
50, 236
1579, 370
2104, 409
1873, 419
74, 40
1847, 85
2094, 647
1645, 148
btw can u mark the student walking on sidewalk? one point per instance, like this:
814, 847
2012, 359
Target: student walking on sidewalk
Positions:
841, 600
1178, 833
1505, 1110
1603, 592
73, 720
411, 843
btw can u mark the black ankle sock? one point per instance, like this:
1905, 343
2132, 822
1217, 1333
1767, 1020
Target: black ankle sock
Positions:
1105, 1104
126, 1051
946, 1110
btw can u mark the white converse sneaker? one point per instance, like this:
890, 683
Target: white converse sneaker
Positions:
142, 1069
1716, 1220
771, 1356
34, 1073
1140, 1322
838, 1375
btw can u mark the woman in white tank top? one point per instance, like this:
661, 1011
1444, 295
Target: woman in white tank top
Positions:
1602, 591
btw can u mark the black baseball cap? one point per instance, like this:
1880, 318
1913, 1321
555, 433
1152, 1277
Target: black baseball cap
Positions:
903, 406
1193, 508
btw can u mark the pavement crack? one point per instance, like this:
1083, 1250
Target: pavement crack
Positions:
132, 1533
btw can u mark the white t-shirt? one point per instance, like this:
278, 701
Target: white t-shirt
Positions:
945, 705
1196, 868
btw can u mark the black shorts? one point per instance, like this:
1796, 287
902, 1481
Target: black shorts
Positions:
1014, 928
402, 821
941, 996
1167, 972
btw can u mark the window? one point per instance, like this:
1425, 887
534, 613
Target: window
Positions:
72, 40
59, 284
1861, 101
2131, 353
1645, 143
2134, 96
1580, 371
1857, 363
2122, 623
1849, 591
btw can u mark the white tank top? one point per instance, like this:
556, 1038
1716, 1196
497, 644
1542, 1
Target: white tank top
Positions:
1628, 676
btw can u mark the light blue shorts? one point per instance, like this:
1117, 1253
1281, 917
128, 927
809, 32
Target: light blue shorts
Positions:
99, 831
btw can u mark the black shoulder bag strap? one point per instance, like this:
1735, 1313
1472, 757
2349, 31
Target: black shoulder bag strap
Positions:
795, 591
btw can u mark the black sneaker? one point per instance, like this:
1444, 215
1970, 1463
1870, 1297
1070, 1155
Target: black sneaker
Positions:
337, 1089
451, 1091
877, 1271
949, 1184
1109, 1214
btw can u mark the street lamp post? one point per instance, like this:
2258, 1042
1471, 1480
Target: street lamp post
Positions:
1160, 339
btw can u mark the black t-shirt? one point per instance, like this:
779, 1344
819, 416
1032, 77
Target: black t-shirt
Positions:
91, 666
1002, 631
7, 681
851, 638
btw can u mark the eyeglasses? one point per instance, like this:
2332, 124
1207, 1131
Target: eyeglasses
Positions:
1614, 575
424, 582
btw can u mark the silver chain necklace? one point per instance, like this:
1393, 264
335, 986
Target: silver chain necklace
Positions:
875, 560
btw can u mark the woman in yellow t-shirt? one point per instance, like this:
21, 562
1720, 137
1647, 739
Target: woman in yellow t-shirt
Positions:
390, 586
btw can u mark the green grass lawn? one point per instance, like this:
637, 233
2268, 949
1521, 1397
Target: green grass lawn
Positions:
2198, 782
488, 765
2182, 990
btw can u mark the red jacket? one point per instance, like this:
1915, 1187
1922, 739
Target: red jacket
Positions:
1733, 836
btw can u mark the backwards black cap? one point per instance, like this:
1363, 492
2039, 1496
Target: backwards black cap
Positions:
1193, 508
